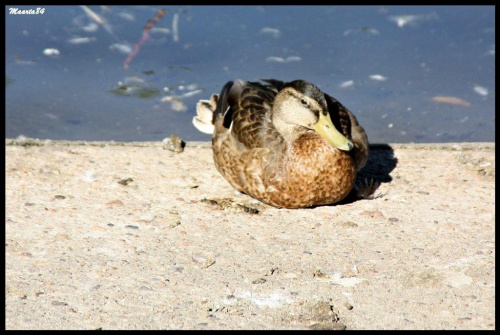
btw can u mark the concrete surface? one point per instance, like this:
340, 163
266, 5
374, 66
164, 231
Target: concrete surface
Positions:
135, 236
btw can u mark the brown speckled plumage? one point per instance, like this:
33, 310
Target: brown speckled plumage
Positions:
262, 151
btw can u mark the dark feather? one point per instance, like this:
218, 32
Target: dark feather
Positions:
222, 105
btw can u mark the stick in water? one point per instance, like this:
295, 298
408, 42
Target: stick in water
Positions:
145, 37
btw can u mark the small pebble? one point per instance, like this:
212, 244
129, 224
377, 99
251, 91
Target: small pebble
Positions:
174, 224
174, 143
209, 262
131, 226
348, 306
319, 274
125, 182
258, 281
115, 203
59, 303
62, 237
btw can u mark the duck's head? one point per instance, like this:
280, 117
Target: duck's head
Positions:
300, 106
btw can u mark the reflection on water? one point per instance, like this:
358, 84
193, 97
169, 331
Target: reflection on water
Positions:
135, 73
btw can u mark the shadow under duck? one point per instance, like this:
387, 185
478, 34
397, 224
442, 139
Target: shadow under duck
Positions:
287, 144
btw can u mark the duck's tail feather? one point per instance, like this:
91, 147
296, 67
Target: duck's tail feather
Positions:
205, 110
276, 84
224, 105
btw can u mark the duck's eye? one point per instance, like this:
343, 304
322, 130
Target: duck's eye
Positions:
304, 102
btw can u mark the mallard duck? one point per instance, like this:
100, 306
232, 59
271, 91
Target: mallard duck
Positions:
287, 144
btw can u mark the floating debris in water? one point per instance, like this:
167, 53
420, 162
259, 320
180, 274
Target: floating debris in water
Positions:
178, 105
132, 80
283, 60
293, 59
184, 68
481, 90
271, 31
275, 59
365, 30
145, 36
121, 47
175, 103
98, 19
127, 16
175, 27
175, 99
81, 40
92, 27
8, 81
189, 87
190, 93
491, 51
346, 84
368, 30
51, 116
411, 20
451, 100
464, 119
51, 52
160, 30
133, 86
403, 20
19, 61
136, 91
378, 77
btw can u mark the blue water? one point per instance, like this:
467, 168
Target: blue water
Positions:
413, 54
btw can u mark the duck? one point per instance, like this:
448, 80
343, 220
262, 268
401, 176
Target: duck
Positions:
284, 143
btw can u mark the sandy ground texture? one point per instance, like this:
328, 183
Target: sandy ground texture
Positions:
136, 236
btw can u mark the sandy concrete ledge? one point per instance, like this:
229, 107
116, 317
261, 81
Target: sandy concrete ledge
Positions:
134, 236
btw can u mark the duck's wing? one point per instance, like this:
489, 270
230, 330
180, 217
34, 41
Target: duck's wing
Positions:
347, 124
246, 111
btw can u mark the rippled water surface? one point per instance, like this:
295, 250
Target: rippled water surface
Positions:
410, 74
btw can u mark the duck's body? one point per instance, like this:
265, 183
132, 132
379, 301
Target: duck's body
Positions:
277, 144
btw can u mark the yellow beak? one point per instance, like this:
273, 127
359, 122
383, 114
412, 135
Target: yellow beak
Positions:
325, 128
